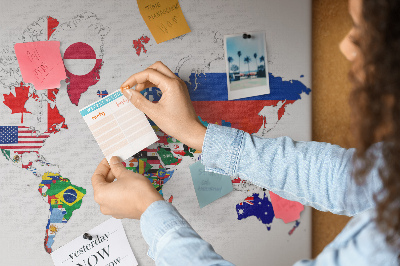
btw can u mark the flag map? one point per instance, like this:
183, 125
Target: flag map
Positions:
48, 149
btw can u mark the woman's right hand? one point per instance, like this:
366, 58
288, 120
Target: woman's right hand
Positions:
174, 113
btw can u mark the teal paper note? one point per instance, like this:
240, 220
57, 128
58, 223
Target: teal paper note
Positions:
209, 186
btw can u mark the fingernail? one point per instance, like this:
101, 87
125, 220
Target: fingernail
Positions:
115, 160
124, 88
127, 93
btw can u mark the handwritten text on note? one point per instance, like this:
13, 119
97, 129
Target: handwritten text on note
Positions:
41, 64
209, 186
164, 18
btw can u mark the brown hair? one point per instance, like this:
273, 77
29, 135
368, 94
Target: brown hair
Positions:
375, 102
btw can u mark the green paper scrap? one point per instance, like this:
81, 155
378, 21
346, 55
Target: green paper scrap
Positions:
209, 186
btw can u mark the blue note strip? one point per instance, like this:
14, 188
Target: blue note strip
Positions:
209, 186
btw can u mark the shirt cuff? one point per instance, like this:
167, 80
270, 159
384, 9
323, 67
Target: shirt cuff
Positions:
159, 218
221, 149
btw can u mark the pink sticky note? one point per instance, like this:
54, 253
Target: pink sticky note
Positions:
284, 209
41, 63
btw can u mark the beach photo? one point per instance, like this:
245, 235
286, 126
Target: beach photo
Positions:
246, 65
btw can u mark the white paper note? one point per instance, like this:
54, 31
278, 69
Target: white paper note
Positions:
109, 246
118, 126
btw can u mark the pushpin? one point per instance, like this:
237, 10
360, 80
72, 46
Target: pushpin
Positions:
87, 236
246, 36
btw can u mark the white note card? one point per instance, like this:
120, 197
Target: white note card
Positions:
109, 246
118, 126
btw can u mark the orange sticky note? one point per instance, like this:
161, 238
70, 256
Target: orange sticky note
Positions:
164, 18
41, 64
284, 209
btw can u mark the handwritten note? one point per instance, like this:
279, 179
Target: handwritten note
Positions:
284, 209
109, 246
41, 64
209, 186
164, 18
118, 126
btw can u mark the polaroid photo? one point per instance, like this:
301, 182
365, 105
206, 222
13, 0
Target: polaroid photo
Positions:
246, 64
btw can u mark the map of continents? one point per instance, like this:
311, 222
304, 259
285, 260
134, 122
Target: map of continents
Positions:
21, 144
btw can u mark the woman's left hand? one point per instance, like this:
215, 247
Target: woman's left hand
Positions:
126, 197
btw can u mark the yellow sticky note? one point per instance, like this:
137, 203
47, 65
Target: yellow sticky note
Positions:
164, 18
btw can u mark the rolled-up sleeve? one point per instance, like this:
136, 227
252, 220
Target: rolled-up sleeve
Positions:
313, 173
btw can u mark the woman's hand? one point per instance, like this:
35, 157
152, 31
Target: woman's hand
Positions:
126, 197
174, 113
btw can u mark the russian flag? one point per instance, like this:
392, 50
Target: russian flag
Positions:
209, 95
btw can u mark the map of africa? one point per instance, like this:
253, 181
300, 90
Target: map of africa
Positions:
40, 119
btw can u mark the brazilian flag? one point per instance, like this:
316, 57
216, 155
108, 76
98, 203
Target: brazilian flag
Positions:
70, 195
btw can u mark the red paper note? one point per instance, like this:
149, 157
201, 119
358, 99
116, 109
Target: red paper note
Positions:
41, 64
284, 209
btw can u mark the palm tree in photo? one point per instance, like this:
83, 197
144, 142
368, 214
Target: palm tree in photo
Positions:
230, 60
239, 55
247, 60
262, 59
255, 59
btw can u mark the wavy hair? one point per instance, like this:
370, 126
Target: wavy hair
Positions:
375, 103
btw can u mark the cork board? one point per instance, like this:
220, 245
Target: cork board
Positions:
331, 89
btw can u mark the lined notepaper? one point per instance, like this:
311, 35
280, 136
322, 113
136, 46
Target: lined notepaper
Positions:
118, 126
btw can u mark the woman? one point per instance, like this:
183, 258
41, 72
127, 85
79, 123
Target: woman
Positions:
363, 182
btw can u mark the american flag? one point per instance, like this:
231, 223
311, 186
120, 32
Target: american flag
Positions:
21, 139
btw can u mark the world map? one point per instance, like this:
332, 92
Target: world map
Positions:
21, 144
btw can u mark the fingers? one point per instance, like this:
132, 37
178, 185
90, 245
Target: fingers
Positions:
105, 210
100, 174
110, 177
159, 80
143, 86
117, 167
140, 102
99, 179
160, 67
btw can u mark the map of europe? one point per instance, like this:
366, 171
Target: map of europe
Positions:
21, 144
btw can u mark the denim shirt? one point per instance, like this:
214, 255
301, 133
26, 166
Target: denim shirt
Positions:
312, 173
